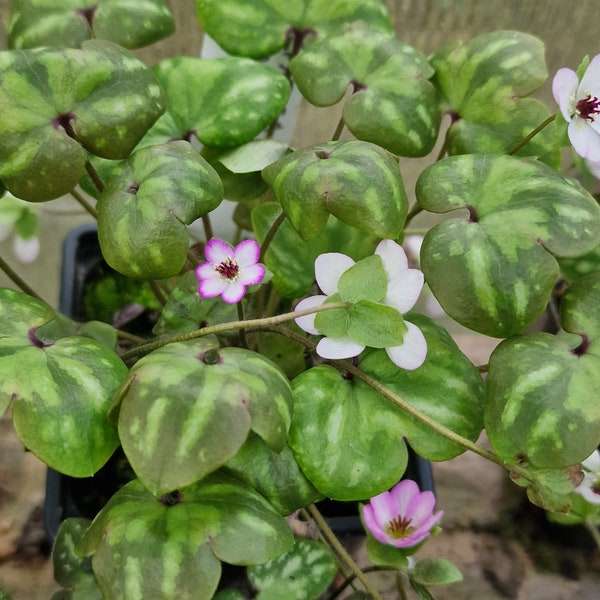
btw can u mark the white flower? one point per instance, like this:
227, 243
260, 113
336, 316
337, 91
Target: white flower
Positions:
589, 488
404, 287
580, 106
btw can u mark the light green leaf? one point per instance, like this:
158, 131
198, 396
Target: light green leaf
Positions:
188, 407
494, 268
253, 156
375, 325
261, 28
365, 280
147, 204
71, 22
435, 571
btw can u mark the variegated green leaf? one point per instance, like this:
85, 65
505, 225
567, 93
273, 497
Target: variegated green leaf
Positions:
187, 408
303, 573
357, 182
58, 104
73, 572
446, 373
494, 268
146, 205
541, 402
484, 85
148, 548
262, 27
292, 260
393, 103
68, 23
222, 102
60, 388
345, 436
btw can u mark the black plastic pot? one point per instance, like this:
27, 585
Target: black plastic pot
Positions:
84, 497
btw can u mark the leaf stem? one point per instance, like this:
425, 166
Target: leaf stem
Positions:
208, 230
96, 180
593, 529
338, 130
265, 323
240, 312
531, 135
18, 280
84, 203
341, 551
270, 235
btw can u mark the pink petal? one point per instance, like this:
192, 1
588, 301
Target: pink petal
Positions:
402, 495
216, 251
404, 290
247, 253
584, 139
329, 267
393, 257
420, 508
384, 508
234, 292
251, 274
307, 323
211, 288
342, 347
371, 520
413, 351
564, 88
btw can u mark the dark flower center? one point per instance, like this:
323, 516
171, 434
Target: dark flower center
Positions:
228, 269
587, 107
596, 487
399, 527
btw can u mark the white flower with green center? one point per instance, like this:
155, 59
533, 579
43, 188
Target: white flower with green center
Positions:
345, 336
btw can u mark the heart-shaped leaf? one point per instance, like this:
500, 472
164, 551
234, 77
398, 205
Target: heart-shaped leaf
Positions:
292, 260
188, 407
234, 99
60, 388
494, 269
541, 402
262, 28
68, 23
58, 104
446, 373
346, 437
147, 204
484, 85
303, 573
357, 182
171, 547
393, 105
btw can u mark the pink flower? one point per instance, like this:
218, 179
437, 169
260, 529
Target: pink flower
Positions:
402, 517
228, 270
579, 104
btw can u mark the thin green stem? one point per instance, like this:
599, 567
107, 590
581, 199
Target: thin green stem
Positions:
125, 335
338, 130
158, 292
252, 324
531, 135
84, 203
414, 211
96, 180
593, 529
18, 280
352, 577
400, 586
240, 312
208, 230
341, 551
270, 235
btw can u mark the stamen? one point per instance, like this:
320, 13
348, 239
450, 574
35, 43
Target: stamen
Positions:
228, 269
399, 527
587, 107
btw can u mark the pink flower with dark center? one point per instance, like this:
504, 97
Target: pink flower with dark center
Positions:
580, 106
228, 271
402, 517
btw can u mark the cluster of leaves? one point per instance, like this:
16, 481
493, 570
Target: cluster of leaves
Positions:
232, 439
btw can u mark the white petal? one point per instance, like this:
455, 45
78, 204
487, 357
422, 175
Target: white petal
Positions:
590, 82
329, 267
247, 253
403, 291
26, 250
234, 292
411, 354
216, 251
307, 323
342, 347
592, 462
212, 287
393, 257
251, 274
593, 168
585, 140
564, 88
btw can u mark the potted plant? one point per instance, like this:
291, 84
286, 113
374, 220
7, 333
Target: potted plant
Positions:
287, 363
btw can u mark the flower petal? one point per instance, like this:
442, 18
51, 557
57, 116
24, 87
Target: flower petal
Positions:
420, 508
247, 253
585, 140
404, 290
413, 351
384, 508
251, 274
212, 287
329, 267
590, 82
371, 519
342, 347
234, 292
403, 494
207, 271
393, 257
307, 322
216, 251
26, 250
592, 462
564, 88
